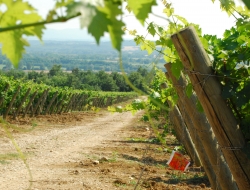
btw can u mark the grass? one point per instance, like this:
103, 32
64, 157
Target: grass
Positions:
4, 158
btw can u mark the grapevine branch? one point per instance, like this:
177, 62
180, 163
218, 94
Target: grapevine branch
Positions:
60, 19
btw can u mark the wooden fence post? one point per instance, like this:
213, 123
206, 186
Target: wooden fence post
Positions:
38, 102
11, 102
204, 132
183, 135
21, 103
205, 162
29, 104
51, 102
56, 107
40, 107
70, 103
208, 90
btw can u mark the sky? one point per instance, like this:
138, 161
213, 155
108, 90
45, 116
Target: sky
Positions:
203, 12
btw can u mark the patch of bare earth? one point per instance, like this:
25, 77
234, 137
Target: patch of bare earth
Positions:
90, 150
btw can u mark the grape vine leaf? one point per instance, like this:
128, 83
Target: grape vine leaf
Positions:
99, 25
169, 56
18, 13
189, 90
151, 29
227, 5
91, 17
182, 19
141, 8
169, 11
199, 107
148, 45
176, 68
115, 29
100, 19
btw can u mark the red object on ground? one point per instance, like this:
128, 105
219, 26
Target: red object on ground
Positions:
178, 162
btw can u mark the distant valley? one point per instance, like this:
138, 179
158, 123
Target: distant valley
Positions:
85, 55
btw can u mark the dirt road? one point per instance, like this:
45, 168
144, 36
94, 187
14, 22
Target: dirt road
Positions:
82, 151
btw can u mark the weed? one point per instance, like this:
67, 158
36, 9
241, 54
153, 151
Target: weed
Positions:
133, 182
137, 139
34, 123
9, 156
160, 166
113, 157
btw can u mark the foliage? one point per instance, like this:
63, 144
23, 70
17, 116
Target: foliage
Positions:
88, 98
156, 104
84, 80
231, 57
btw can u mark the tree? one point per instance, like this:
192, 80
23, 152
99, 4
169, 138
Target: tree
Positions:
120, 82
55, 70
106, 82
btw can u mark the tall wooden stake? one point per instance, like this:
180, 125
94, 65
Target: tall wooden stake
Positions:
204, 132
220, 117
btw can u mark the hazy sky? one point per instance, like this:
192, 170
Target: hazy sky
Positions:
203, 12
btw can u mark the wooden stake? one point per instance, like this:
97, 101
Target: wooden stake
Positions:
203, 130
208, 90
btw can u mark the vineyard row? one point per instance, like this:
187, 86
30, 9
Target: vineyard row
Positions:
22, 98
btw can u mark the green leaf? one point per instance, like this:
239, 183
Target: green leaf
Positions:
169, 56
204, 43
141, 8
169, 11
227, 5
92, 17
13, 43
189, 90
176, 69
100, 19
99, 25
182, 19
148, 45
199, 107
151, 29
113, 10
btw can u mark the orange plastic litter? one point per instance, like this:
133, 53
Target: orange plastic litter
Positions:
178, 162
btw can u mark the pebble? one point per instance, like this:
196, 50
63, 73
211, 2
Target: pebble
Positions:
96, 162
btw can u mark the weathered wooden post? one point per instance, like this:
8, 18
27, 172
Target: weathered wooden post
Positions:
21, 103
183, 135
11, 102
204, 132
51, 102
209, 169
220, 117
30, 102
